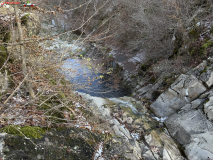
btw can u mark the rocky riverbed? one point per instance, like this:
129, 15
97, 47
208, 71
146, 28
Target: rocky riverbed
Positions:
175, 126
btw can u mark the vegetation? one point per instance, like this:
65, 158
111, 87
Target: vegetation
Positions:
42, 99
28, 131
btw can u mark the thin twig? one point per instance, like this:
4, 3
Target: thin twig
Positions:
16, 88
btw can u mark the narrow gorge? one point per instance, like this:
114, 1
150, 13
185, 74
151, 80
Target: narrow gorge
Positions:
113, 80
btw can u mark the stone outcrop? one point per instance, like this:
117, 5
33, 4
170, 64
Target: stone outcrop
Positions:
208, 108
188, 104
183, 125
200, 147
134, 136
182, 91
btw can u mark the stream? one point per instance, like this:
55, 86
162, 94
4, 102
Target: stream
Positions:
88, 81
82, 72
125, 125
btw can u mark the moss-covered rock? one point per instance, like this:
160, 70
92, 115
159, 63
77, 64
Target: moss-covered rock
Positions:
58, 143
24, 19
28, 131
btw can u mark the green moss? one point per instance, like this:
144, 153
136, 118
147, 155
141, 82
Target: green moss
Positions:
62, 95
205, 46
192, 52
130, 112
110, 56
24, 19
194, 33
28, 131
2, 48
52, 82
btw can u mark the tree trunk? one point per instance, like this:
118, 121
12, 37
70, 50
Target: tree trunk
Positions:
23, 55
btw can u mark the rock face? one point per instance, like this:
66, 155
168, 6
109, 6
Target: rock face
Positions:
183, 125
201, 147
208, 108
56, 144
127, 126
183, 90
189, 108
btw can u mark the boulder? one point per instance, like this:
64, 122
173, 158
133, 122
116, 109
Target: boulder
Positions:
201, 147
185, 89
197, 70
207, 76
193, 105
184, 125
170, 150
208, 108
144, 89
203, 72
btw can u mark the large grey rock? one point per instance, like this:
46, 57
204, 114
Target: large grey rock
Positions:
185, 89
167, 103
206, 94
126, 146
197, 70
193, 105
207, 76
203, 72
201, 147
170, 151
188, 86
208, 108
145, 89
182, 126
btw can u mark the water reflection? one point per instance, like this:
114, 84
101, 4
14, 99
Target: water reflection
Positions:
88, 81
